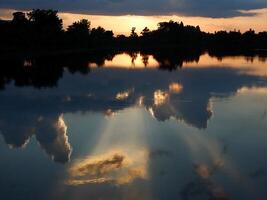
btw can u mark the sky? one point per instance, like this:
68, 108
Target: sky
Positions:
122, 15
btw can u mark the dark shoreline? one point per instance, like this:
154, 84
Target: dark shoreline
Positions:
20, 54
40, 33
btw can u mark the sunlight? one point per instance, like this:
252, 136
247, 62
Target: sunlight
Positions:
126, 22
208, 24
125, 99
119, 162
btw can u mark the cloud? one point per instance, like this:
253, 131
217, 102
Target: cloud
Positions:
206, 8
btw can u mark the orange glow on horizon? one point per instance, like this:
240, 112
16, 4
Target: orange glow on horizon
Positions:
126, 22
123, 24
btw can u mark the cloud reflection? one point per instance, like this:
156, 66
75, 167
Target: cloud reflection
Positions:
113, 167
205, 185
185, 94
160, 97
175, 88
51, 134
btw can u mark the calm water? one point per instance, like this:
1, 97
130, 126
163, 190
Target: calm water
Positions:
128, 130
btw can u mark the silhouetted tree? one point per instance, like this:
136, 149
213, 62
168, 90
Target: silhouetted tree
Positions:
145, 32
19, 18
78, 33
19, 30
47, 27
100, 37
133, 33
80, 27
133, 39
43, 30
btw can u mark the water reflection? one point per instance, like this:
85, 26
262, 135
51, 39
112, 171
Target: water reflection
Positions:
45, 71
183, 95
204, 185
113, 167
50, 132
125, 130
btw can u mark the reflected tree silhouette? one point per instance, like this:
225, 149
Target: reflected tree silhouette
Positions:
145, 59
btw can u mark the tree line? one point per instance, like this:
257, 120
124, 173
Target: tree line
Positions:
43, 29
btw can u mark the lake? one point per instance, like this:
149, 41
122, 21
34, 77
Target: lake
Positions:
134, 126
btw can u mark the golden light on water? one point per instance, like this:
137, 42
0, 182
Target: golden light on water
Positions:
116, 166
160, 97
249, 90
175, 88
126, 61
119, 162
241, 63
122, 95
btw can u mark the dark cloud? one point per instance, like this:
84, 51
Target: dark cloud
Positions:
207, 8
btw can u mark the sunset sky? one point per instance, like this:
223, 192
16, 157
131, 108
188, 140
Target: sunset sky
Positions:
122, 15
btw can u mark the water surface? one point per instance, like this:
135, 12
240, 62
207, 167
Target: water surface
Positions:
134, 126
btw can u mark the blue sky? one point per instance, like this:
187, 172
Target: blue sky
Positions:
203, 8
